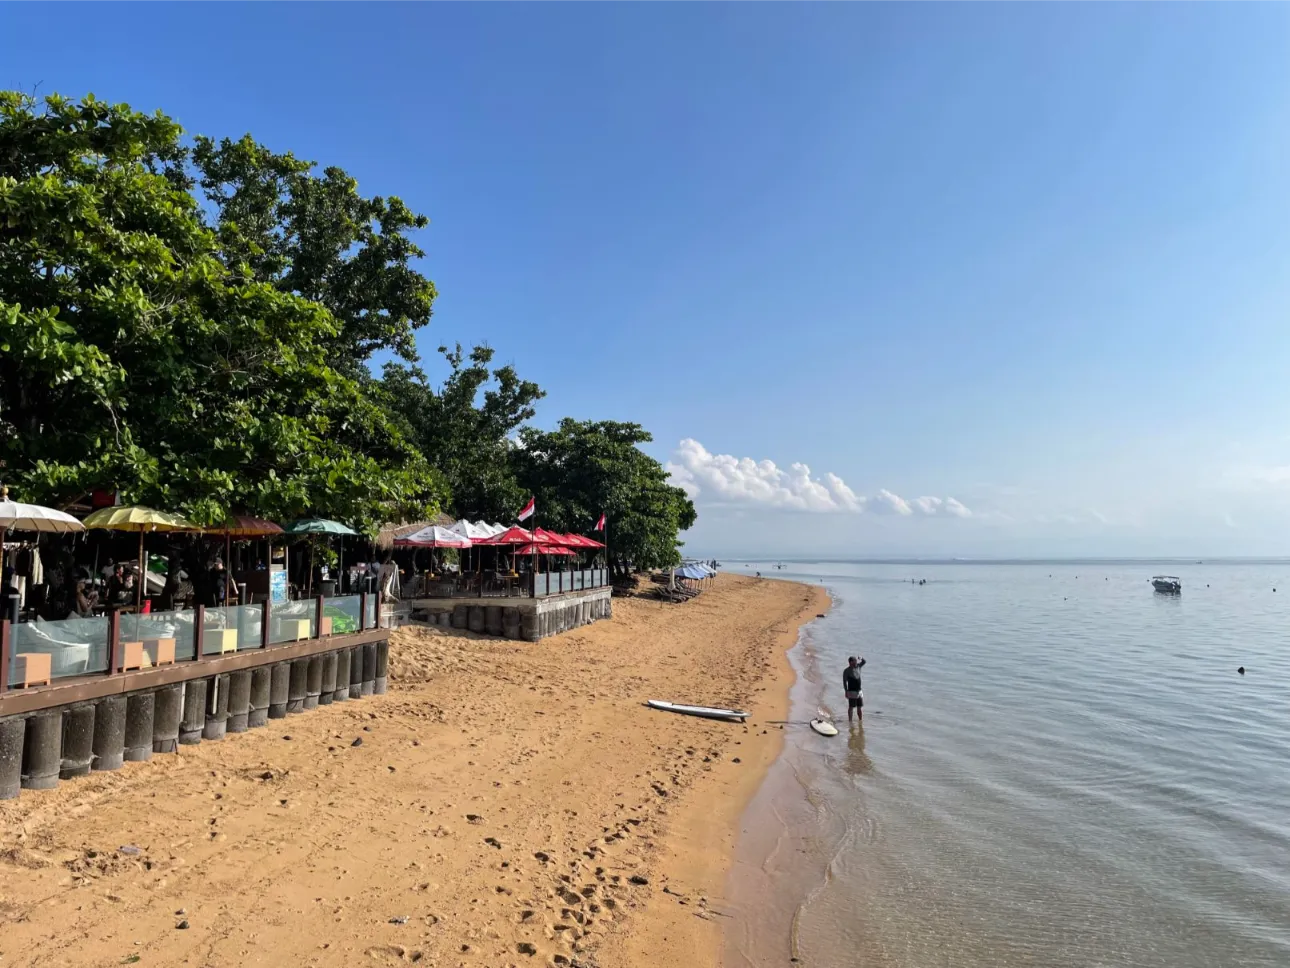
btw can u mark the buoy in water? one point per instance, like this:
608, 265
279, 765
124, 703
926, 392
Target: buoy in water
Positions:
1241, 670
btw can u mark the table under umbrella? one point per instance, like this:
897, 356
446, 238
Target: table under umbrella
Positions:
243, 526
319, 526
142, 520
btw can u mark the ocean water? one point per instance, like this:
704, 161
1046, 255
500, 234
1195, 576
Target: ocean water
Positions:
1058, 767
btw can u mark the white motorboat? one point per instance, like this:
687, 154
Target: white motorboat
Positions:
1167, 584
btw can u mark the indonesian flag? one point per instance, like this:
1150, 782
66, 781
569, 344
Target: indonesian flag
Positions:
600, 525
528, 510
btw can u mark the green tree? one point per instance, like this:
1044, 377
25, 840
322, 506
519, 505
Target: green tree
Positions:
467, 438
584, 468
315, 236
132, 356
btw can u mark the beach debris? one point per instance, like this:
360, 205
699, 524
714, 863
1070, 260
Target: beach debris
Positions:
474, 818
130, 850
639, 879
181, 912
735, 760
357, 742
526, 948
182, 925
399, 920
1241, 670
288, 738
493, 842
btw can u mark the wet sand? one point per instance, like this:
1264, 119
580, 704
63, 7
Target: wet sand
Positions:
509, 804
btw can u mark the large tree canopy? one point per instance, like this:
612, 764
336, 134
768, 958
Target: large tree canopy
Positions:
139, 351
468, 439
584, 468
317, 237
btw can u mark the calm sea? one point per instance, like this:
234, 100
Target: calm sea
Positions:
1058, 767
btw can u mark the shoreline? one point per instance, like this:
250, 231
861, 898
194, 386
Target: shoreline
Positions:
699, 849
504, 804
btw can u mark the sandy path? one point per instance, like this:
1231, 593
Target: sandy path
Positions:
502, 800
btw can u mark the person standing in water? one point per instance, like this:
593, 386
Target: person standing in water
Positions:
852, 687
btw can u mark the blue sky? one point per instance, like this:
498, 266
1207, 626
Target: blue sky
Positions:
1029, 258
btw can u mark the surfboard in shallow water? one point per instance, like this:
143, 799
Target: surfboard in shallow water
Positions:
824, 728
707, 712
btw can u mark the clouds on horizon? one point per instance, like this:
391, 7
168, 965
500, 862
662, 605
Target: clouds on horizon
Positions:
742, 480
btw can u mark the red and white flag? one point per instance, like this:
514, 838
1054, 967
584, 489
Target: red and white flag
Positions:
528, 510
600, 525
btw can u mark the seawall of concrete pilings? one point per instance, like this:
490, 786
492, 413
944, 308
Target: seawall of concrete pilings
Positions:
50, 741
518, 618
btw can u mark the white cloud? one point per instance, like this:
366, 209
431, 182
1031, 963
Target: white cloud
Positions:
894, 503
742, 480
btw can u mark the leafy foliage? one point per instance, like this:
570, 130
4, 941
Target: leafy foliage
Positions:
317, 237
585, 467
136, 353
467, 439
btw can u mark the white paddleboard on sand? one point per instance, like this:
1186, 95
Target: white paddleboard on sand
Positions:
707, 712
824, 728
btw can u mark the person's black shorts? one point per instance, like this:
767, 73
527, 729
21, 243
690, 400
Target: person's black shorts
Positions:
857, 702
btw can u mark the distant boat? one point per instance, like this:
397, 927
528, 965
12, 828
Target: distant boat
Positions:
1167, 584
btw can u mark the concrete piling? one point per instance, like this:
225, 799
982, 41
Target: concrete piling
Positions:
529, 627
356, 672
258, 712
239, 700
13, 731
313, 681
328, 679
475, 618
382, 681
109, 733
194, 719
368, 682
140, 709
166, 716
279, 690
42, 750
342, 676
297, 686
511, 623
460, 616
493, 619
78, 741
216, 724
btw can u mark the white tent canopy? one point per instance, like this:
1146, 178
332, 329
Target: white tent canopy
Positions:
476, 530
434, 536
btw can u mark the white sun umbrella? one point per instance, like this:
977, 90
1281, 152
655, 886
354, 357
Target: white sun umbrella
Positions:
471, 530
16, 516
433, 537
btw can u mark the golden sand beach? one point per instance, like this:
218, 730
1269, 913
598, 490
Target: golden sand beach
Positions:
504, 804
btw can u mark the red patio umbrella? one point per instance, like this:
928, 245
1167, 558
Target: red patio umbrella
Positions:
545, 549
514, 535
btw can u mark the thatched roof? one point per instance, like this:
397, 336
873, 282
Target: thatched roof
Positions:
385, 537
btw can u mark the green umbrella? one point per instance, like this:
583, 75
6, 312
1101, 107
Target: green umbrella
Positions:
319, 526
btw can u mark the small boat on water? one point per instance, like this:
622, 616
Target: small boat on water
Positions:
1167, 584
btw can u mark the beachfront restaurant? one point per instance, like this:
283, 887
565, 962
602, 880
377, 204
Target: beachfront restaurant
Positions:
69, 610
97, 614
475, 559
